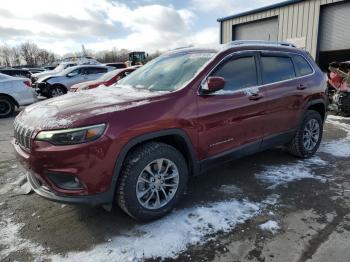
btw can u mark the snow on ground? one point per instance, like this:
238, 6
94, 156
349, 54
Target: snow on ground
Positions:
230, 189
281, 175
18, 187
12, 241
171, 235
271, 226
341, 147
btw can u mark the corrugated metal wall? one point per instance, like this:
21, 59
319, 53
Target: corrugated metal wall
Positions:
294, 21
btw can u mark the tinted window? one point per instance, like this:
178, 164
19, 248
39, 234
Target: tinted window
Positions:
96, 70
276, 68
238, 73
302, 66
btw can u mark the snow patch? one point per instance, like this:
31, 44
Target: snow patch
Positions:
12, 241
230, 189
281, 175
341, 147
271, 226
171, 235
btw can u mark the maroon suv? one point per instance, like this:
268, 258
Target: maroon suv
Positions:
139, 141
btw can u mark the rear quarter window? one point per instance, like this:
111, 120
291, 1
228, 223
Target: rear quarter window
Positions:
302, 67
276, 69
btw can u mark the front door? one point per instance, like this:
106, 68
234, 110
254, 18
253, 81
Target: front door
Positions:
232, 118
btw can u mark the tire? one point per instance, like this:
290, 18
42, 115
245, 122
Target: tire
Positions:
133, 170
56, 91
7, 107
297, 147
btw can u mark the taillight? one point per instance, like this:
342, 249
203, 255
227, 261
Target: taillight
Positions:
27, 83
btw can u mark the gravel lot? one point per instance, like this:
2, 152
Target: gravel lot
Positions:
266, 207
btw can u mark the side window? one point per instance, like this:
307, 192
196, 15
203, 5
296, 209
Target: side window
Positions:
96, 70
302, 67
238, 73
276, 68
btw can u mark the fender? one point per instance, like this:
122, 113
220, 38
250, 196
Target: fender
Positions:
310, 103
194, 164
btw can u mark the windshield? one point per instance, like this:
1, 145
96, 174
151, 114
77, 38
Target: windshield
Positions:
167, 72
109, 75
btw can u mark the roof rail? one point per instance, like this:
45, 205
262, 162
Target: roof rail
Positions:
259, 42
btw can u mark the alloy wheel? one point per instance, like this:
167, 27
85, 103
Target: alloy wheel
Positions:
311, 134
157, 184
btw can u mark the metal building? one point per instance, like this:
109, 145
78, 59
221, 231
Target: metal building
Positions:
322, 27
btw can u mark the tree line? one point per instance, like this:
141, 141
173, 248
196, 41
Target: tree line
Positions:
30, 54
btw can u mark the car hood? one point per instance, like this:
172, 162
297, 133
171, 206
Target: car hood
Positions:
73, 109
45, 73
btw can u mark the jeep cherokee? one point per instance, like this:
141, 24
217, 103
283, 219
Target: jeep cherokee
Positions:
138, 142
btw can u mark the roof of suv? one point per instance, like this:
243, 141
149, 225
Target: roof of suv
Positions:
255, 44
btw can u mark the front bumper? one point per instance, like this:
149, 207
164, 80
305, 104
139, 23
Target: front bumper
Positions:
44, 191
41, 88
45, 160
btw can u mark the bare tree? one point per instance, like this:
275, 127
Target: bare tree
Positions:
5, 54
29, 52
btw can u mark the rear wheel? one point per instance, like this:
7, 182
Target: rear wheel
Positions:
153, 178
56, 90
308, 136
7, 107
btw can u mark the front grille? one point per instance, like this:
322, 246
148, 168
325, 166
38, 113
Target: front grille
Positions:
23, 135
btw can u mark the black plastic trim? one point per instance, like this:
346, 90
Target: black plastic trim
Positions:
98, 199
147, 137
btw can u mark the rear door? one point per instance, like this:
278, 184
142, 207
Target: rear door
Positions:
95, 72
283, 85
232, 117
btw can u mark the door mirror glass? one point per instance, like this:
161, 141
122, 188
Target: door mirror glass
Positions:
214, 83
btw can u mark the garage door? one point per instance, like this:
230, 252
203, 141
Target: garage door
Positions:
335, 27
266, 29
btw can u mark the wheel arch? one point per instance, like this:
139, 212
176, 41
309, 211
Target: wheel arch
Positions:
319, 106
174, 137
60, 85
11, 98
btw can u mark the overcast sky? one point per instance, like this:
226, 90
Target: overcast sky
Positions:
64, 25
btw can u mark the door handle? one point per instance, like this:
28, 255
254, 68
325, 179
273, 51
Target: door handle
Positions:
301, 87
256, 96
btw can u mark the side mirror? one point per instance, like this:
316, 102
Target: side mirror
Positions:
213, 84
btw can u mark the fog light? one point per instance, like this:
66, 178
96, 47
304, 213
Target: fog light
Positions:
65, 181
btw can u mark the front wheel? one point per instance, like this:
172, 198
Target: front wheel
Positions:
56, 91
308, 137
153, 179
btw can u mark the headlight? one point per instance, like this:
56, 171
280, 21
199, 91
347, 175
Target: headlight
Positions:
72, 136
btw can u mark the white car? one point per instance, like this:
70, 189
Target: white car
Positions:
57, 70
59, 84
69, 62
14, 92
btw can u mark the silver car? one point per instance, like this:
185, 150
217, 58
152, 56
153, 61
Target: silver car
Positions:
14, 92
59, 84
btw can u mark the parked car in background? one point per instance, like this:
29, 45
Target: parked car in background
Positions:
117, 65
14, 92
59, 84
24, 73
107, 79
57, 70
35, 70
181, 113
66, 62
49, 67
